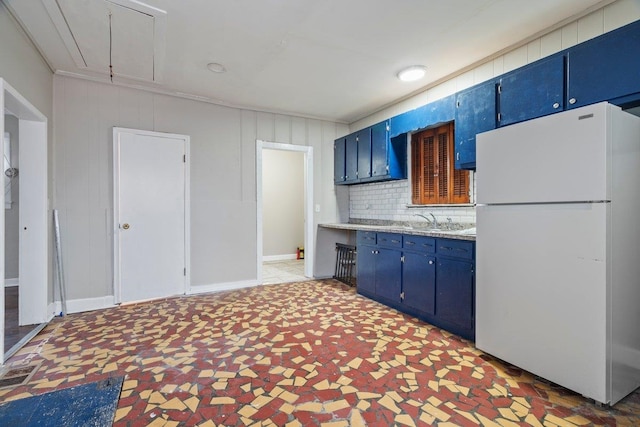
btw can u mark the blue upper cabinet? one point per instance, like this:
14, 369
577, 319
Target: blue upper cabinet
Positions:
370, 155
339, 160
351, 159
379, 150
606, 68
440, 111
364, 154
389, 155
532, 91
475, 113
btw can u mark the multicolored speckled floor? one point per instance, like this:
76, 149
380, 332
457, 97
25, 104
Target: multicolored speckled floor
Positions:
296, 354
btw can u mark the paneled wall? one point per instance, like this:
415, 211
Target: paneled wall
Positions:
374, 200
223, 177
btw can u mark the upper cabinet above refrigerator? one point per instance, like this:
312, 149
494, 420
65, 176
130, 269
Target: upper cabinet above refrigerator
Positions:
606, 68
534, 90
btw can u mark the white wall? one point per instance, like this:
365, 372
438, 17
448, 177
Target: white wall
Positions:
283, 202
12, 215
223, 177
22, 66
388, 200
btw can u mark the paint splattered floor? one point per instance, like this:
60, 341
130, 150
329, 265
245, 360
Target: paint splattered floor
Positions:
297, 354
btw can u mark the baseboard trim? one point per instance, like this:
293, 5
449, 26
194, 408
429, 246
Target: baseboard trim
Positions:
217, 287
84, 304
279, 257
11, 282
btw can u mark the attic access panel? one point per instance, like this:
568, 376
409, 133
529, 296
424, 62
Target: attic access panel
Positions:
128, 35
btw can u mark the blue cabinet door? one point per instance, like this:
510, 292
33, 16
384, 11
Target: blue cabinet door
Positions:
364, 154
366, 266
454, 293
532, 91
379, 150
475, 113
419, 282
388, 274
339, 161
351, 159
606, 68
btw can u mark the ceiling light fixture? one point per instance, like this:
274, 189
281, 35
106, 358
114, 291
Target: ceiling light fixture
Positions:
215, 67
413, 73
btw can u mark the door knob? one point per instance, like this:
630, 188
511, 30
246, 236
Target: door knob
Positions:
125, 226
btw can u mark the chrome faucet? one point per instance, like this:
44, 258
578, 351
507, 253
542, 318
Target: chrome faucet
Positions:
431, 221
425, 218
435, 221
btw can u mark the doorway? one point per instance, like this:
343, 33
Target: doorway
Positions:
32, 218
307, 205
151, 214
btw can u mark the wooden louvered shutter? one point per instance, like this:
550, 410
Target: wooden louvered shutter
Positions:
434, 179
443, 166
416, 166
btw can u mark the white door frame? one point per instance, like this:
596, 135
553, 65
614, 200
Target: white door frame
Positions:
116, 206
309, 238
34, 205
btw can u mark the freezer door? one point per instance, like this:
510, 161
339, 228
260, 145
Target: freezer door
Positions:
557, 158
541, 291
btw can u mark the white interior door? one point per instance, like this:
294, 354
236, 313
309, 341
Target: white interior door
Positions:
150, 214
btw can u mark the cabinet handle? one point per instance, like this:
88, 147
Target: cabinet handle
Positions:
430, 262
556, 105
458, 156
572, 101
395, 241
410, 243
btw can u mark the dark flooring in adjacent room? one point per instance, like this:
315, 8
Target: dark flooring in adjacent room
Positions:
12, 332
309, 353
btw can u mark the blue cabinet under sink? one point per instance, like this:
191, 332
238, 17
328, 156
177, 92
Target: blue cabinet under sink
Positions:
427, 277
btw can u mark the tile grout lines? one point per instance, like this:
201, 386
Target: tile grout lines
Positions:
311, 353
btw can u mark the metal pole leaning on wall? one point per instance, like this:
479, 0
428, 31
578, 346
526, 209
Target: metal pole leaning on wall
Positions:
63, 296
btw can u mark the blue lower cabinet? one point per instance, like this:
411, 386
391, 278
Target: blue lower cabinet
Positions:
455, 297
419, 282
388, 274
407, 273
366, 262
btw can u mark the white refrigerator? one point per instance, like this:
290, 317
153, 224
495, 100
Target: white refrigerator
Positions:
558, 249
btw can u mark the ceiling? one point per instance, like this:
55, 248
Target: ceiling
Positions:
329, 59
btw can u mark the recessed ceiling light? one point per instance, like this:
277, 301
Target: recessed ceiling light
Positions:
216, 67
413, 73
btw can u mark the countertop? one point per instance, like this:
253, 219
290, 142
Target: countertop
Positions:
464, 234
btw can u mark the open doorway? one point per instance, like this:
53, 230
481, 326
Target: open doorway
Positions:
285, 216
282, 216
29, 246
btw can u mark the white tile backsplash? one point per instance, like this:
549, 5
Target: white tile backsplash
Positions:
389, 201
